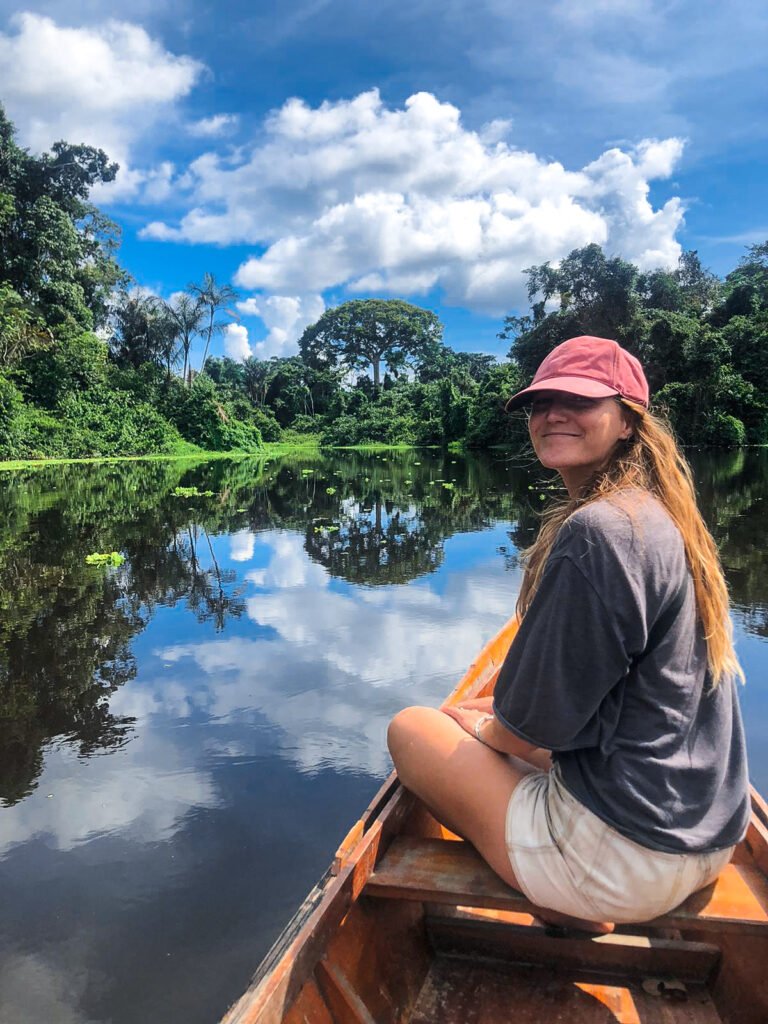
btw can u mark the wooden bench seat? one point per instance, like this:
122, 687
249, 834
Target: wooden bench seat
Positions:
453, 873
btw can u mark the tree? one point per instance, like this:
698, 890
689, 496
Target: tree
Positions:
144, 331
212, 297
227, 373
446, 362
56, 249
365, 333
257, 375
746, 287
187, 313
20, 330
596, 294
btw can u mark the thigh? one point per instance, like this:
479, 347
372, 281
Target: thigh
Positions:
465, 784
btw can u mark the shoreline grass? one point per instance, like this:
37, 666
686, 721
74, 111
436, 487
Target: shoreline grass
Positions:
271, 449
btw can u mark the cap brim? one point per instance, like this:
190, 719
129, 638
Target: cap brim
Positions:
572, 385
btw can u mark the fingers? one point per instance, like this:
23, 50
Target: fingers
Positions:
465, 717
484, 704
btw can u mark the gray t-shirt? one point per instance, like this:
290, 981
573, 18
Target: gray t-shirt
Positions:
639, 735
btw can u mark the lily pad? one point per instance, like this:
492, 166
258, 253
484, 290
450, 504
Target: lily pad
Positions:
191, 492
108, 558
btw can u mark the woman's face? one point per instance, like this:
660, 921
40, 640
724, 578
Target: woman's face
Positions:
575, 435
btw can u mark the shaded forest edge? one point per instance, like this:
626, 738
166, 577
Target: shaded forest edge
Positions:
91, 366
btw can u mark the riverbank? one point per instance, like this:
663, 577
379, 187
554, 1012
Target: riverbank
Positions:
193, 454
271, 450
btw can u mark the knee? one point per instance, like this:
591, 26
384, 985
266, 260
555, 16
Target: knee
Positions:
404, 734
400, 730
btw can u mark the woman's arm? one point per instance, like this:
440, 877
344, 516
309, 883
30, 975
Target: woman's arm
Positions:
475, 718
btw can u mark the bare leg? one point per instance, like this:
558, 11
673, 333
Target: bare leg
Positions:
465, 784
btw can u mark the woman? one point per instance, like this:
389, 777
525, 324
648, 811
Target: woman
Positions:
606, 779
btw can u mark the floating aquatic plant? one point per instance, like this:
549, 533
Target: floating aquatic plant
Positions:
191, 492
109, 558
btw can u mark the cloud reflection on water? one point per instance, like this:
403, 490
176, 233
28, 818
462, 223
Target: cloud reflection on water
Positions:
338, 662
314, 680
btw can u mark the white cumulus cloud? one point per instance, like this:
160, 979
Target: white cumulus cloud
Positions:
285, 317
359, 195
105, 85
236, 344
210, 127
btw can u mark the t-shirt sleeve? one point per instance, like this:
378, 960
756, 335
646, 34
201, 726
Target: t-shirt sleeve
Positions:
571, 650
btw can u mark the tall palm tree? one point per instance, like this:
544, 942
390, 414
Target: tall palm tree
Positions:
143, 330
187, 313
212, 296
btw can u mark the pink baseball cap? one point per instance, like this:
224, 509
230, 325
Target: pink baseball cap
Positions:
592, 367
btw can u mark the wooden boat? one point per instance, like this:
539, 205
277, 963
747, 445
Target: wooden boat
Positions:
409, 926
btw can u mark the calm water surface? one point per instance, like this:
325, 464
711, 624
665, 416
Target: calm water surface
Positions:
185, 738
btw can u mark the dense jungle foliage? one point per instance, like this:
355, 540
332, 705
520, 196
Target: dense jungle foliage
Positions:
90, 365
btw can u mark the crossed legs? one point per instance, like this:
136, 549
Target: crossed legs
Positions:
466, 785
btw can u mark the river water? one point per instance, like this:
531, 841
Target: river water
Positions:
185, 737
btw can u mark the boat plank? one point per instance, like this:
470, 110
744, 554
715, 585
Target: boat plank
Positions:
432, 870
383, 947
630, 956
759, 805
757, 843
310, 1006
346, 1005
457, 992
741, 985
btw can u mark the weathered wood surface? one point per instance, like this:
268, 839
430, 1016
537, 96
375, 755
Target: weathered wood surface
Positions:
309, 1006
384, 948
341, 996
756, 840
432, 870
462, 993
465, 932
741, 987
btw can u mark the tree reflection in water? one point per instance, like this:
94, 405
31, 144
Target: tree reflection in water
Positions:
66, 628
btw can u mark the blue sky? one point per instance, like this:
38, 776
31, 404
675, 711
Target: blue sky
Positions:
314, 151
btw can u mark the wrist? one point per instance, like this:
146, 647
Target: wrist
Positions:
478, 727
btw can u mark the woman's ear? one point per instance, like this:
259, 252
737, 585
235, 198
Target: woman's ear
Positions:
628, 428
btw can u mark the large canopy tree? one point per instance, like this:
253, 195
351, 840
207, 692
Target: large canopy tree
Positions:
56, 249
365, 333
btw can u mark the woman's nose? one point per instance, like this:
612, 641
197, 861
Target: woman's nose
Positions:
557, 410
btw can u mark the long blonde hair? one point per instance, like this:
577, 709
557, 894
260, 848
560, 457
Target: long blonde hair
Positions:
651, 460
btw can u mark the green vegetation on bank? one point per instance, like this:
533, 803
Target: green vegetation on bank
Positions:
93, 368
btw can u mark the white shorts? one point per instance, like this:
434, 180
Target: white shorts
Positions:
567, 859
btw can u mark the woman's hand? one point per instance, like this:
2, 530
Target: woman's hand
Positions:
494, 734
467, 717
484, 704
